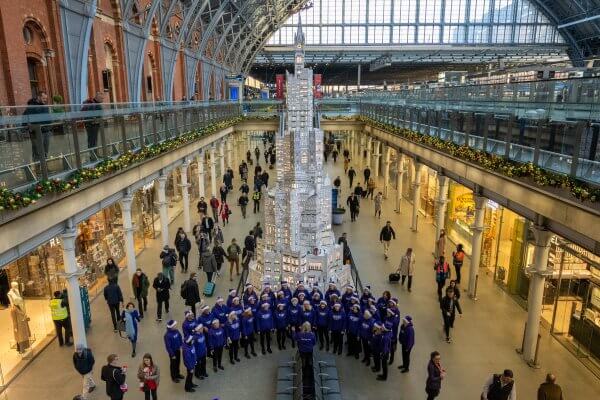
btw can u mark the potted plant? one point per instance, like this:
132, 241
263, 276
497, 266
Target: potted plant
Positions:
338, 215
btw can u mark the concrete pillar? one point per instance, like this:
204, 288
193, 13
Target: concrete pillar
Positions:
377, 148
417, 194
185, 194
399, 180
229, 160
128, 230
386, 171
222, 158
162, 208
213, 171
538, 272
369, 149
71, 274
200, 161
440, 206
477, 229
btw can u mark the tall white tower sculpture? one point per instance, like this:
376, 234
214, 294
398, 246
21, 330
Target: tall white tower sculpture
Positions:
298, 244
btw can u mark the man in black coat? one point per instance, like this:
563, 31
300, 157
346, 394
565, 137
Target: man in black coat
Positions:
183, 245
202, 206
250, 243
449, 304
351, 175
207, 225
354, 205
191, 292
162, 285
37, 105
83, 361
367, 173
114, 299
385, 236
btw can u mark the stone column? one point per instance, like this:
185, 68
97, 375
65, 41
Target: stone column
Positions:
229, 154
200, 161
386, 171
213, 170
162, 208
477, 229
222, 158
369, 149
538, 272
377, 149
399, 179
417, 194
440, 206
128, 230
71, 274
185, 194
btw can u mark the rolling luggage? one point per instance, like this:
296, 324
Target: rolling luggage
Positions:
394, 278
209, 289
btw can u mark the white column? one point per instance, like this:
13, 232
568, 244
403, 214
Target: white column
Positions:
72, 273
185, 194
200, 160
128, 230
213, 170
386, 170
222, 158
417, 194
229, 154
440, 206
162, 208
377, 150
538, 272
399, 179
477, 229
369, 149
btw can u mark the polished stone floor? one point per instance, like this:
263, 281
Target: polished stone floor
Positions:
484, 338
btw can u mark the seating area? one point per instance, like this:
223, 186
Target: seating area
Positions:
322, 384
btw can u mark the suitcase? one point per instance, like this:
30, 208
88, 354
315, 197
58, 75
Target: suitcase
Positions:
209, 289
394, 278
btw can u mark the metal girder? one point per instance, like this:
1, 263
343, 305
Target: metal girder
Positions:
239, 13
207, 34
194, 22
164, 19
246, 29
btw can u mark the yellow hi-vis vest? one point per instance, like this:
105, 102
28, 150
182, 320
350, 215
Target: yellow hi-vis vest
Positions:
58, 311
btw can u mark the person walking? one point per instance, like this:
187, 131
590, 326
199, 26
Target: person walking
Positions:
206, 226
233, 254
173, 343
149, 377
406, 338
201, 352
549, 390
257, 154
256, 200
435, 375
346, 165
250, 243
188, 351
353, 203
140, 284
243, 203
83, 361
346, 154
244, 188
114, 376
233, 330
370, 187
218, 234
334, 155
367, 174
407, 267
377, 202
385, 236
351, 175
225, 213
209, 264
60, 317
131, 316
220, 255
202, 207
440, 244
257, 232
191, 292
183, 245
449, 305
214, 206
111, 270
223, 192
500, 387
161, 285
306, 340
114, 300
169, 262
458, 257
358, 191
442, 273
216, 343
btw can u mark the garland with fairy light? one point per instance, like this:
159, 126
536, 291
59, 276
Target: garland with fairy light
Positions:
12, 201
541, 177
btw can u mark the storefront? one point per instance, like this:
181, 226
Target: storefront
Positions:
428, 188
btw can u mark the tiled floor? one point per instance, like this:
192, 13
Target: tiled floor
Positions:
484, 338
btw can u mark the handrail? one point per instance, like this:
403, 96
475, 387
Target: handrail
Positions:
354, 272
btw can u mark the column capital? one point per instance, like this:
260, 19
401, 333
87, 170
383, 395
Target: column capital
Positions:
126, 203
68, 239
479, 201
542, 235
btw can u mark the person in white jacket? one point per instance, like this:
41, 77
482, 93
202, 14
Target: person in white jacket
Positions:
407, 267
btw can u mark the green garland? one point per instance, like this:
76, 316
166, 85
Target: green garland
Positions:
578, 189
11, 201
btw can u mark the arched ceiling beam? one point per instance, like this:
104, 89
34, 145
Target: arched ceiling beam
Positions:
207, 34
241, 11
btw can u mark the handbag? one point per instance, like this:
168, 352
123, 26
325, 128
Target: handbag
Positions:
124, 388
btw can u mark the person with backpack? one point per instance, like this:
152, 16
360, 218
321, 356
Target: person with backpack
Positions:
256, 199
83, 361
442, 273
233, 254
169, 262
162, 286
458, 257
114, 376
140, 285
183, 245
385, 237
190, 292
